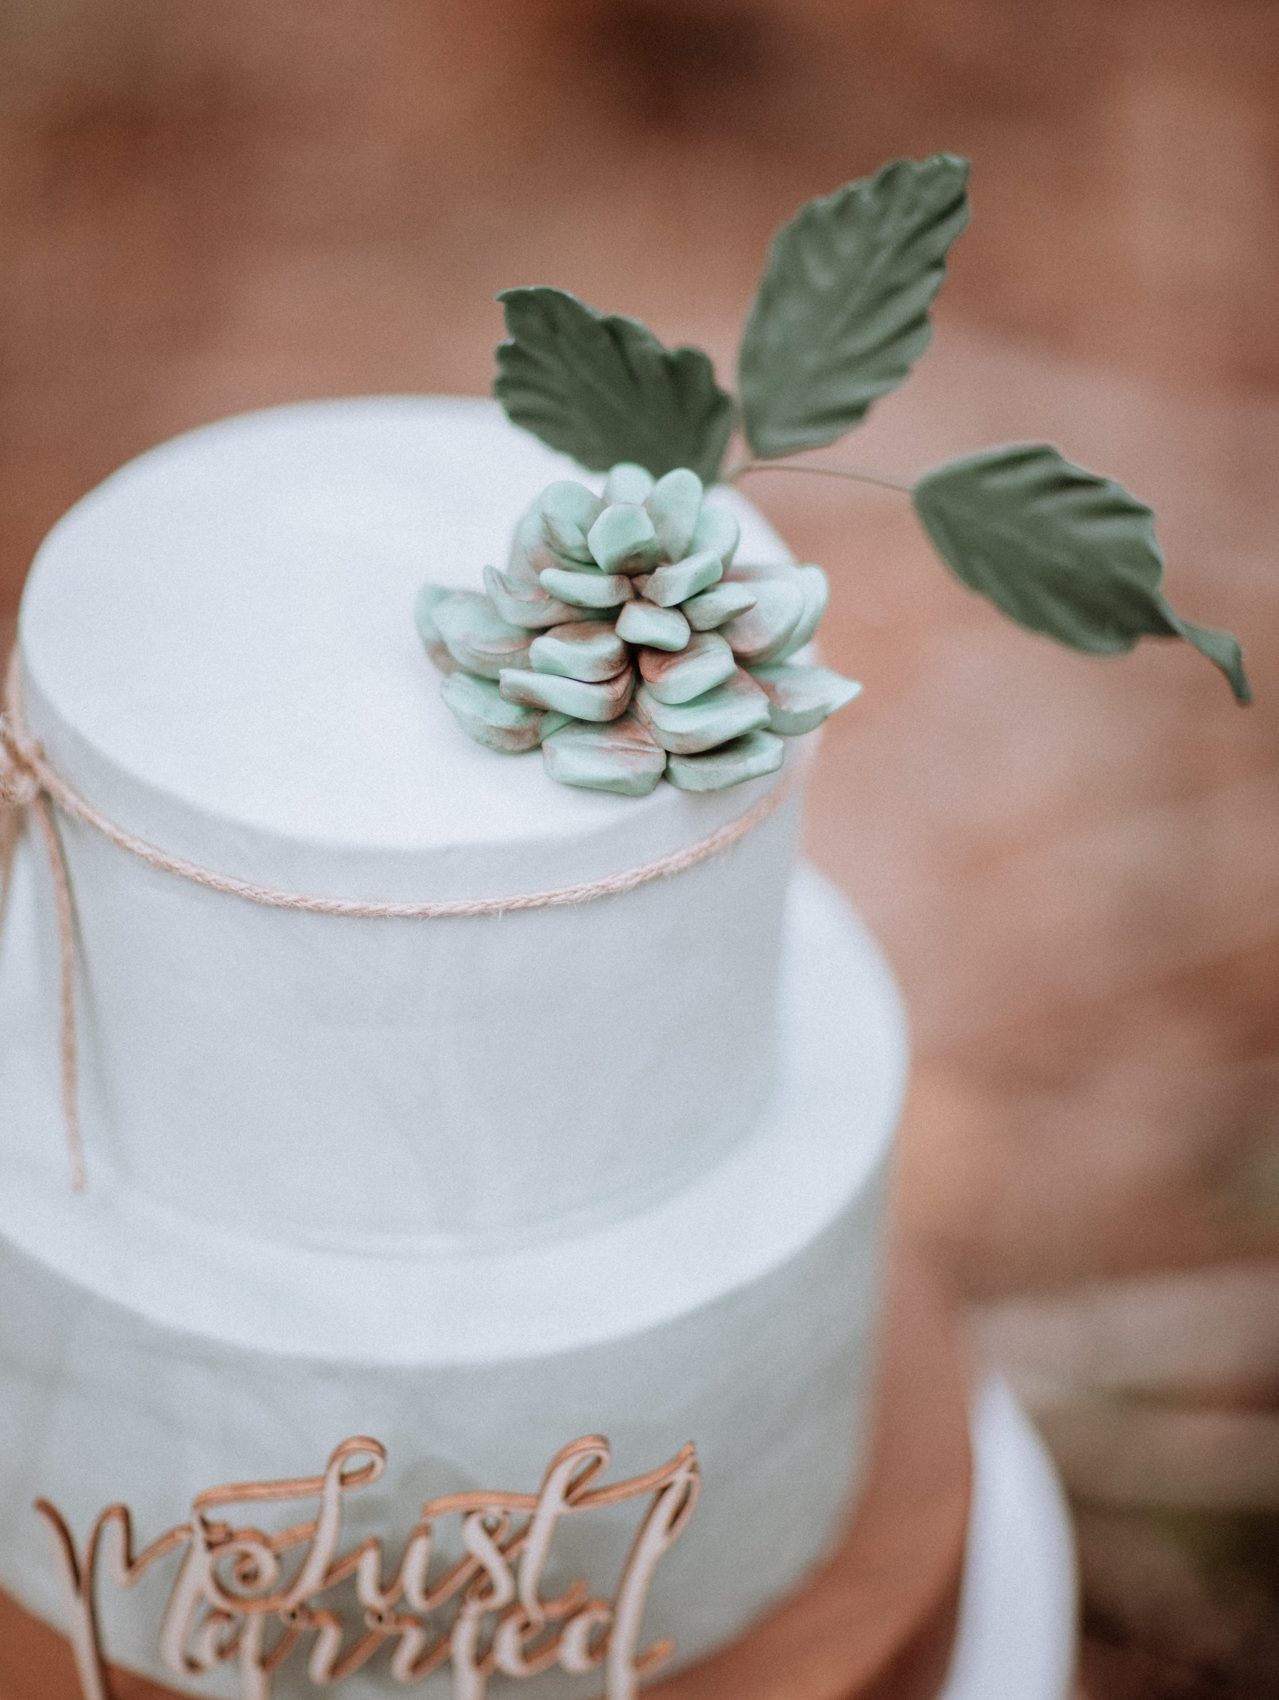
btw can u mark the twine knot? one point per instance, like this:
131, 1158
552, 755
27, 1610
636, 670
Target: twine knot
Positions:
19, 781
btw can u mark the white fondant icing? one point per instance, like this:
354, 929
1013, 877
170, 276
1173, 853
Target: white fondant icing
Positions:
147, 1357
475, 1187
219, 650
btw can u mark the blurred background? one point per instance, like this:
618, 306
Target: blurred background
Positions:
209, 207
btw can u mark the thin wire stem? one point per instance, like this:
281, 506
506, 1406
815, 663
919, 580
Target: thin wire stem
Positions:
856, 475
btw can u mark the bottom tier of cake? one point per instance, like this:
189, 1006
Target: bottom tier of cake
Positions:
146, 1361
876, 1621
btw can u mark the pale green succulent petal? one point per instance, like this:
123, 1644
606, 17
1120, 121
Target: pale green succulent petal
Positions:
587, 590
623, 539
747, 757
716, 530
650, 627
752, 572
707, 661
428, 599
816, 594
526, 605
761, 634
714, 607
628, 482
729, 711
439, 656
589, 650
568, 511
483, 714
565, 564
530, 549
620, 756
604, 701
800, 698
477, 637
671, 585
673, 505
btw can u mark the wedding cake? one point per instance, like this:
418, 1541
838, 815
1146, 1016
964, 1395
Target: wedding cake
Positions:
474, 1186
445, 1134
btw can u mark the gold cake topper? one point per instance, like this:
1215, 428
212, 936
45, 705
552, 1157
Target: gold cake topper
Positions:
261, 1599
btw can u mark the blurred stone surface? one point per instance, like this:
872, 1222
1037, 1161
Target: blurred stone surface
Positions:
209, 208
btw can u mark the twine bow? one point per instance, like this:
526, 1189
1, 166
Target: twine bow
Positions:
19, 785
22, 792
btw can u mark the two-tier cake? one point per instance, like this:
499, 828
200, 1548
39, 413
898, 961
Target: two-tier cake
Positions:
442, 1184
464, 1189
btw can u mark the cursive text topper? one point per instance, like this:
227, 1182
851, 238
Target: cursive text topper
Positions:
259, 1599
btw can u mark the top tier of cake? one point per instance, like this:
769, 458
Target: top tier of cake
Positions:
218, 651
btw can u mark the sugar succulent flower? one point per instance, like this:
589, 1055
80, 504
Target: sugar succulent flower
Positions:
624, 640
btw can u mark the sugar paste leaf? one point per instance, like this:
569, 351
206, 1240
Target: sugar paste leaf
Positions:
1062, 551
842, 311
604, 389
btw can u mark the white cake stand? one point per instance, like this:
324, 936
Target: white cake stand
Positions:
1017, 1615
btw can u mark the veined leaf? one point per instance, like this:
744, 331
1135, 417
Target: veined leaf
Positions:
1062, 551
842, 312
605, 390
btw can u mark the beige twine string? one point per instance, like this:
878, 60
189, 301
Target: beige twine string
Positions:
29, 785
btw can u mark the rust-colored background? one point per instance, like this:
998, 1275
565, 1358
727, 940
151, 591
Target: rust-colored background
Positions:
207, 205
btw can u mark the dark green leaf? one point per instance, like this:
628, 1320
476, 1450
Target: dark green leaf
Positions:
605, 390
1061, 550
842, 311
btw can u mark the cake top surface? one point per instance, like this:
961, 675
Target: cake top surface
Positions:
227, 623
